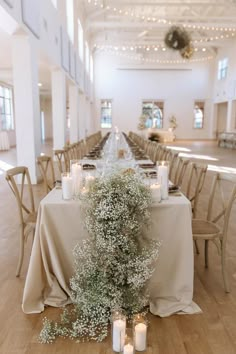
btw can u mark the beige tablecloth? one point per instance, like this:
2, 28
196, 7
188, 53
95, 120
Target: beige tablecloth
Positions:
60, 227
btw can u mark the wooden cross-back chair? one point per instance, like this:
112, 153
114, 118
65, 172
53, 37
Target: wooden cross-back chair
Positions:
196, 179
220, 204
173, 156
68, 155
46, 168
181, 166
83, 148
18, 179
161, 153
62, 159
151, 147
157, 152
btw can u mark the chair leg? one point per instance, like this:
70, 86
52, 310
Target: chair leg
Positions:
21, 252
196, 246
224, 273
206, 253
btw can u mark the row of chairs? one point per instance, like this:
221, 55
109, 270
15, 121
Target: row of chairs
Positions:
75, 151
19, 181
158, 152
222, 194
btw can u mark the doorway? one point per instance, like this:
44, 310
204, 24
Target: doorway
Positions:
221, 117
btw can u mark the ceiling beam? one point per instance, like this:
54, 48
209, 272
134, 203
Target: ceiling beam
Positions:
95, 14
157, 42
218, 3
152, 25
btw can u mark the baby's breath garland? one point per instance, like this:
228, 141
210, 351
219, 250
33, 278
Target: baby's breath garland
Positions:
113, 266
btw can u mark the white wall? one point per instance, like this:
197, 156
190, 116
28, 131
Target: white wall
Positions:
225, 90
177, 86
52, 47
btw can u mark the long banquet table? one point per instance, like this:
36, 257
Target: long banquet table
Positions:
60, 227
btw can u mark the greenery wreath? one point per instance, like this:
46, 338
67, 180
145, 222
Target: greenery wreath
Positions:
187, 52
177, 38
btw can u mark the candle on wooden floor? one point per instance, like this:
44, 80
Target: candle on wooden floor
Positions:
140, 333
118, 335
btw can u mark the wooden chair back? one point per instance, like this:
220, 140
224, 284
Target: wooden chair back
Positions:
46, 168
215, 226
220, 207
181, 167
173, 156
62, 160
18, 179
196, 179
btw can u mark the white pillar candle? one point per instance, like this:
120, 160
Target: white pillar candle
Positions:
156, 192
118, 335
140, 336
76, 169
84, 191
89, 181
67, 186
128, 349
162, 177
76, 173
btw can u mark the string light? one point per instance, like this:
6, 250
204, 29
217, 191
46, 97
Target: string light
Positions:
222, 32
157, 47
155, 61
162, 20
130, 47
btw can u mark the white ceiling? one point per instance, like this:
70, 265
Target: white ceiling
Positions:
140, 26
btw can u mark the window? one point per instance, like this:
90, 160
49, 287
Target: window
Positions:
198, 115
70, 19
153, 110
54, 2
106, 110
6, 108
87, 57
91, 68
222, 68
81, 41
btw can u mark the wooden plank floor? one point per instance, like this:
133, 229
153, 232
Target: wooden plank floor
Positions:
211, 332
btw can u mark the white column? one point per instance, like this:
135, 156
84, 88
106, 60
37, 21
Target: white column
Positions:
58, 108
74, 113
26, 101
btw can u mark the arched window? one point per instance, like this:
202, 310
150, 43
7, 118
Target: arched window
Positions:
81, 41
222, 69
6, 108
87, 56
153, 110
54, 2
70, 19
106, 113
198, 115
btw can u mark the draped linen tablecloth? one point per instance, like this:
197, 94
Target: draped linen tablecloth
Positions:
60, 227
